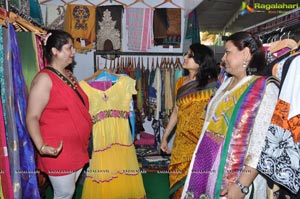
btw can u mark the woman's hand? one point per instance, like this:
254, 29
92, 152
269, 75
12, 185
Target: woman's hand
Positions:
233, 191
47, 150
164, 146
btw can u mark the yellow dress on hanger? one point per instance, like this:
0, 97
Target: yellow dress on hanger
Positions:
113, 172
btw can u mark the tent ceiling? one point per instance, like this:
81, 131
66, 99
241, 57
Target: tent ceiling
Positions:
216, 15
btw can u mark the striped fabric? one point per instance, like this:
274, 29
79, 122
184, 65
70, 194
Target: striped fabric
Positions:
139, 25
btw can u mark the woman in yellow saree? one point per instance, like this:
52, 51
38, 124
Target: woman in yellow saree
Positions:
193, 91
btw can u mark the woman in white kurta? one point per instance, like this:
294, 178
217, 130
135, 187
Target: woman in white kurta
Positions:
224, 162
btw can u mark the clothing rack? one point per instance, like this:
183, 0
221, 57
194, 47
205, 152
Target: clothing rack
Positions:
120, 53
287, 21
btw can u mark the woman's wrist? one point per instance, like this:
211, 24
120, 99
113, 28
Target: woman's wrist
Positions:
42, 148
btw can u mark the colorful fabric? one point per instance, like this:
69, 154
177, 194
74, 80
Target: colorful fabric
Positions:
40, 57
145, 82
280, 159
6, 184
151, 96
139, 26
9, 114
193, 30
35, 11
29, 63
168, 92
167, 26
74, 131
157, 86
116, 177
26, 149
212, 167
80, 21
191, 101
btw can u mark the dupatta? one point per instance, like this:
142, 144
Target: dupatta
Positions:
220, 156
78, 110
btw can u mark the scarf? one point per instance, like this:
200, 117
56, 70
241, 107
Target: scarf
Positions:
227, 135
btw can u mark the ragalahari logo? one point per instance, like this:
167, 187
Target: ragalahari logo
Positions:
271, 8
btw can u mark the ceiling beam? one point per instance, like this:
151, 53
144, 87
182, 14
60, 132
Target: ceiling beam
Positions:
232, 20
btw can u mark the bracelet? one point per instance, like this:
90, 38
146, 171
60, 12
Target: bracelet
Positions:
42, 148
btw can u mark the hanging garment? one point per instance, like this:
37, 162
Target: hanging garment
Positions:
225, 135
157, 86
191, 102
280, 156
29, 63
145, 81
35, 11
108, 27
40, 57
167, 26
139, 25
80, 22
117, 177
151, 96
193, 31
7, 94
55, 16
6, 182
26, 150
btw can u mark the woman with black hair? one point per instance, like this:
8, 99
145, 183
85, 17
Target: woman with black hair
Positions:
193, 92
57, 117
238, 116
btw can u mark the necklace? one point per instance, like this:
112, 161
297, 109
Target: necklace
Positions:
70, 82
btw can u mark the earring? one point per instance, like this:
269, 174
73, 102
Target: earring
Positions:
245, 63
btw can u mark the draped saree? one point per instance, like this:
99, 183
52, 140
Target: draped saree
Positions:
191, 101
65, 118
222, 149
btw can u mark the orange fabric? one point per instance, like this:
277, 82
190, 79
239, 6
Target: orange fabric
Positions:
280, 118
80, 21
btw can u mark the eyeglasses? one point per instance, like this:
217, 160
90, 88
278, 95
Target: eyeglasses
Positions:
189, 55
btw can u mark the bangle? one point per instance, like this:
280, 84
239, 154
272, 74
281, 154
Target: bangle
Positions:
42, 148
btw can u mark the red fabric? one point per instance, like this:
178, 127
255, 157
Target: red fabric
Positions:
4, 161
65, 118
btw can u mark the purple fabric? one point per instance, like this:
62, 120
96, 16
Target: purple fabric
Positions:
205, 158
101, 85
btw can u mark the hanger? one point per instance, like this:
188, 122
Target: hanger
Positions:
140, 1
104, 72
24, 25
152, 64
178, 63
147, 67
169, 1
107, 75
157, 64
281, 44
119, 2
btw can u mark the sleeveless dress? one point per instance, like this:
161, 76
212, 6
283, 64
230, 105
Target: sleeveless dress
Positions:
113, 172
